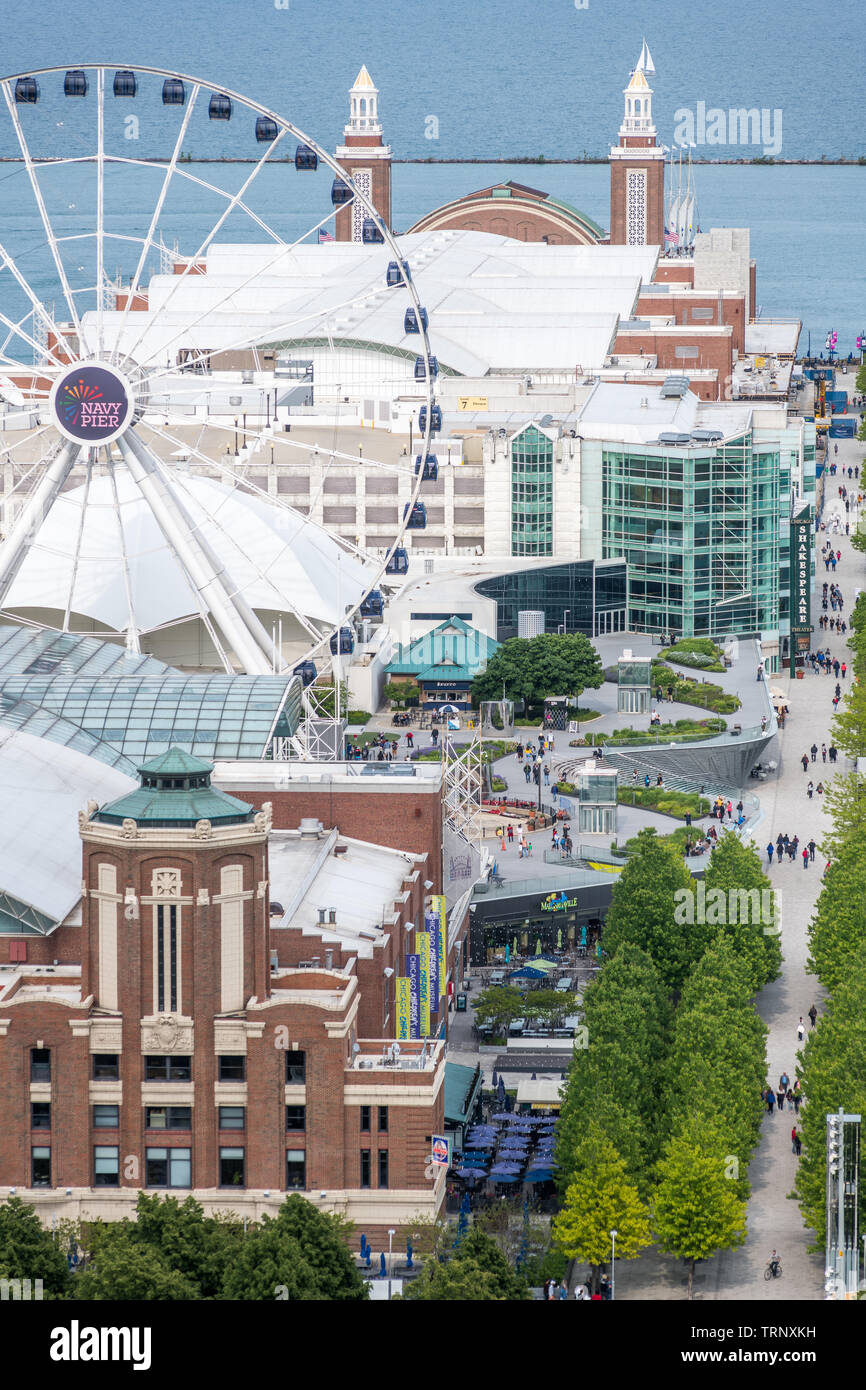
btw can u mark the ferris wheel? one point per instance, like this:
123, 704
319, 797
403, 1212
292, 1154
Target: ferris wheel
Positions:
177, 398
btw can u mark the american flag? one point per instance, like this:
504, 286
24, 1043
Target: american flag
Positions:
324, 236
672, 238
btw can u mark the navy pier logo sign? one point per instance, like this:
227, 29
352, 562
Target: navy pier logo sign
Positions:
91, 405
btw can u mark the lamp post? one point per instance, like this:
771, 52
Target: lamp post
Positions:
236, 438
391, 1234
613, 1236
566, 615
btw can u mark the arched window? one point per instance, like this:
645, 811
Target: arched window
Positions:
637, 107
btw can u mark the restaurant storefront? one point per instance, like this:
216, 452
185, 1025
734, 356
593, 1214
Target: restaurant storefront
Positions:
504, 927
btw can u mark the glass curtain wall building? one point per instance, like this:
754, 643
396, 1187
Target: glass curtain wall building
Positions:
588, 596
700, 529
531, 493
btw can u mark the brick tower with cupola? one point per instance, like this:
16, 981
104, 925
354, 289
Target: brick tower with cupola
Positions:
637, 168
364, 156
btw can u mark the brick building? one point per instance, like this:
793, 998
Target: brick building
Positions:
212, 1039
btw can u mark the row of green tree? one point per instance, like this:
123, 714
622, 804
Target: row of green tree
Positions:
833, 1071
173, 1252
502, 1004
662, 1109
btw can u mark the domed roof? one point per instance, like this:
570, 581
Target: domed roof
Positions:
101, 553
175, 790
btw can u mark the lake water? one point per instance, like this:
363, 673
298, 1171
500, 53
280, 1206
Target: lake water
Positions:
501, 77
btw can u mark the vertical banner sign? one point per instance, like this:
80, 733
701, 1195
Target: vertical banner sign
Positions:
403, 988
422, 941
413, 971
432, 925
440, 906
801, 583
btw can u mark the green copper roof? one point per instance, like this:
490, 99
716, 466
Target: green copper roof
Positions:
453, 644
175, 791
175, 763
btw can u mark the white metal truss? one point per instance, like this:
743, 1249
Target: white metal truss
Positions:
462, 787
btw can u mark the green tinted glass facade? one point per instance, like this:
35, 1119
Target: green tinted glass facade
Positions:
531, 493
700, 531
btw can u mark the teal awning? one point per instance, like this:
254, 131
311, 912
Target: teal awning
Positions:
462, 1085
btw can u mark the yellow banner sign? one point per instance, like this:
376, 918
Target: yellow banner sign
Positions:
439, 907
422, 943
473, 403
403, 1008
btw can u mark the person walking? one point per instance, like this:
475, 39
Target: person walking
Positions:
771, 1100
805, 859
798, 1145
814, 751
793, 1139
770, 848
843, 668
801, 1030
780, 1098
811, 848
511, 834
810, 787
823, 752
813, 1015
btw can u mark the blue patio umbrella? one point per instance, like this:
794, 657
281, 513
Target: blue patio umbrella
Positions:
539, 1175
382, 1270
501, 1091
501, 1114
466, 1205
505, 1177
410, 1263
363, 1246
494, 1079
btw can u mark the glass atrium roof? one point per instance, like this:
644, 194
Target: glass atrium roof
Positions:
124, 708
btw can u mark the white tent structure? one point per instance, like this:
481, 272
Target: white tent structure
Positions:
101, 555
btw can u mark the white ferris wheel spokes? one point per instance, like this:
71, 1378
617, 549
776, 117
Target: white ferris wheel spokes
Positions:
139, 368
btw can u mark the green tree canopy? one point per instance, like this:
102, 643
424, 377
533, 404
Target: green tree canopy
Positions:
717, 1064
27, 1251
697, 1211
499, 1006
531, 668
614, 1082
128, 1271
845, 802
643, 910
324, 1239
476, 1271
833, 1073
837, 932
736, 867
848, 729
600, 1198
271, 1264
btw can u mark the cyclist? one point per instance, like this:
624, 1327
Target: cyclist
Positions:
774, 1265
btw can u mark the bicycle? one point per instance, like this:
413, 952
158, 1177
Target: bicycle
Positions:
773, 1270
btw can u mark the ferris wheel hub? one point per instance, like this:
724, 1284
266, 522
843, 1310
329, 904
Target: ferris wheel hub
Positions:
92, 404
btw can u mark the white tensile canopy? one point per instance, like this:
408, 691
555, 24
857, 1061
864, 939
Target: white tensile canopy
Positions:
100, 553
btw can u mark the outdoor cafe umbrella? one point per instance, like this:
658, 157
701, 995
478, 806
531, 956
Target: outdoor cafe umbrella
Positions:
505, 1170
538, 945
501, 1090
538, 1175
471, 1174
559, 939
